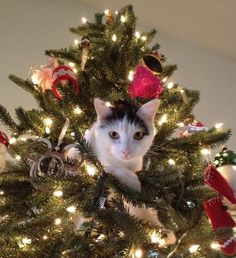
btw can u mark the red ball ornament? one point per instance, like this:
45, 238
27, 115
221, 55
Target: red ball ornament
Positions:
145, 84
60, 75
4, 139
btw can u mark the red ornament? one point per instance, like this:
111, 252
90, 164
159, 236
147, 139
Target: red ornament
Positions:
4, 139
61, 74
145, 84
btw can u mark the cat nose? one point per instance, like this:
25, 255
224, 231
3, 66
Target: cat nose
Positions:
126, 152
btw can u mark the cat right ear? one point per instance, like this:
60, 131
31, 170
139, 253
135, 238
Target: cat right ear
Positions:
101, 108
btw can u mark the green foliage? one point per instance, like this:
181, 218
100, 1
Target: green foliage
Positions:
176, 191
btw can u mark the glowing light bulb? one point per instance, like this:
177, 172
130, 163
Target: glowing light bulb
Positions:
72, 134
116, 12
47, 121
131, 75
57, 221
47, 130
1, 192
71, 64
12, 140
137, 34
91, 170
26, 241
193, 248
122, 18
171, 162
18, 157
155, 237
219, 125
215, 246
144, 38
181, 124
205, 151
84, 20
163, 119
114, 37
170, 85
77, 110
58, 193
138, 253
86, 132
108, 104
71, 209
107, 12
164, 79
45, 237
76, 41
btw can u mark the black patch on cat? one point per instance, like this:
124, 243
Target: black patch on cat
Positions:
120, 109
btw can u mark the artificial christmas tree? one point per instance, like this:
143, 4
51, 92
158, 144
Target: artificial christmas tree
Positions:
58, 200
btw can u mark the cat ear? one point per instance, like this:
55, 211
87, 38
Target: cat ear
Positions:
101, 108
148, 110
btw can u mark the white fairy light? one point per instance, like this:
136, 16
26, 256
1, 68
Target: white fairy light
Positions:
23, 139
138, 253
1, 192
108, 104
116, 12
163, 119
144, 38
71, 209
58, 193
164, 79
47, 121
86, 132
180, 124
47, 130
72, 134
215, 246
137, 34
76, 41
106, 11
71, 64
74, 70
171, 162
219, 125
84, 20
18, 157
12, 140
193, 249
170, 85
77, 110
26, 241
57, 221
205, 151
114, 37
45, 237
91, 170
131, 75
122, 18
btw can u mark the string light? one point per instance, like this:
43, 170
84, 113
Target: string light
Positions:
163, 119
57, 221
71, 64
215, 246
219, 125
76, 41
205, 151
116, 12
72, 134
122, 18
47, 121
165, 79
23, 139
18, 157
138, 253
58, 193
86, 132
77, 110
26, 241
156, 238
107, 12
12, 140
170, 85
84, 20
91, 170
181, 124
101, 237
45, 237
114, 37
108, 104
144, 38
71, 209
171, 162
193, 248
1, 192
137, 34
47, 130
131, 75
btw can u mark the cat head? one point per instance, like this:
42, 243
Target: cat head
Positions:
123, 130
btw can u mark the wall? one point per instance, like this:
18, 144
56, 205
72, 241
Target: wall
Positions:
29, 27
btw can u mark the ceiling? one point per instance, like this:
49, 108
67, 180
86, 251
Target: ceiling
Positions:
207, 23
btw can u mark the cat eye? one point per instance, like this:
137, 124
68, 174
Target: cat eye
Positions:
114, 135
138, 135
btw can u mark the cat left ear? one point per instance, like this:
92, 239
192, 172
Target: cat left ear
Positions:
101, 108
149, 109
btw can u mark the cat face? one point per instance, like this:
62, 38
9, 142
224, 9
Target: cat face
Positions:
124, 131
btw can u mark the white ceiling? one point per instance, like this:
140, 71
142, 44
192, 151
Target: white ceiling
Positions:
207, 23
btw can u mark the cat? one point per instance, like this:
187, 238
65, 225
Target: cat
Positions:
120, 137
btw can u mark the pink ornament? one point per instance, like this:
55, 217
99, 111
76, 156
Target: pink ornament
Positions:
3, 139
63, 74
145, 84
43, 76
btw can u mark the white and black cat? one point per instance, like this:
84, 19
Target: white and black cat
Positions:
120, 137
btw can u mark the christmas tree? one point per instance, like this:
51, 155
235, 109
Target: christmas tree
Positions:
55, 196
